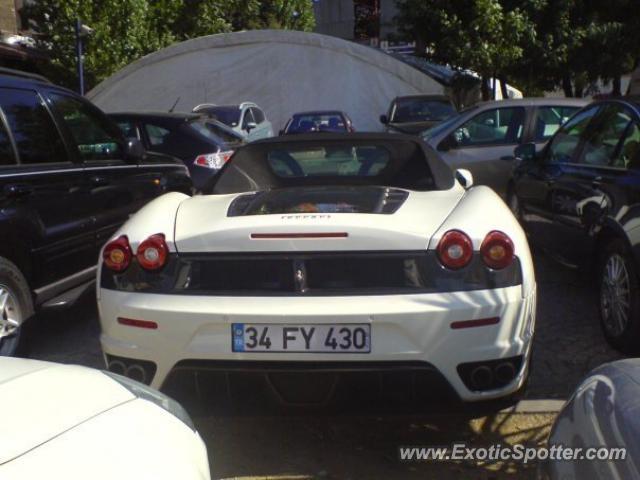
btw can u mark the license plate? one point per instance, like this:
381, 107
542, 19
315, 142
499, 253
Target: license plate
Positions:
321, 338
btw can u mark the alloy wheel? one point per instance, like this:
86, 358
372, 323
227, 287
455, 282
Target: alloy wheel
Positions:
615, 296
10, 315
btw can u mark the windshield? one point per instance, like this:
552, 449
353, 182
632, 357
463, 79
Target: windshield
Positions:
229, 115
408, 110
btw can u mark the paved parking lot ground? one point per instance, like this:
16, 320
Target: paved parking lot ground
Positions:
364, 445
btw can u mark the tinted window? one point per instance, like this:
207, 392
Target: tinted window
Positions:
157, 135
248, 118
420, 110
604, 135
549, 120
628, 155
492, 127
327, 122
128, 129
365, 161
228, 115
94, 136
258, 115
34, 132
6, 151
565, 142
214, 132
402, 164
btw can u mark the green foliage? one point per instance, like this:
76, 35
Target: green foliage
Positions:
125, 30
538, 44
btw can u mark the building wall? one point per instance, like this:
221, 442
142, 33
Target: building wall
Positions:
336, 18
8, 17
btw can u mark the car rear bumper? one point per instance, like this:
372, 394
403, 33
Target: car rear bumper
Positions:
407, 332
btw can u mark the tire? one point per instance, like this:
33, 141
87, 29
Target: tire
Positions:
16, 306
619, 296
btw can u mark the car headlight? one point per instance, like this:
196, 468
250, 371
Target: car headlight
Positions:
154, 396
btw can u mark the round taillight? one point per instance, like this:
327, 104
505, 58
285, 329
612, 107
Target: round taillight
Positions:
152, 253
116, 254
497, 250
455, 249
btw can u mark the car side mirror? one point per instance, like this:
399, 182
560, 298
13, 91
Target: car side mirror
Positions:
465, 178
251, 126
447, 144
134, 150
525, 152
383, 119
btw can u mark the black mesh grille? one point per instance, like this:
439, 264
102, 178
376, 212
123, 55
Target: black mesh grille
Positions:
317, 273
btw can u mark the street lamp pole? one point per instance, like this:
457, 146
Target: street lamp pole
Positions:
79, 56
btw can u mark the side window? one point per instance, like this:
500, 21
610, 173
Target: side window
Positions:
258, 116
94, 136
128, 129
157, 135
6, 150
248, 118
628, 155
563, 145
34, 132
492, 127
604, 135
549, 119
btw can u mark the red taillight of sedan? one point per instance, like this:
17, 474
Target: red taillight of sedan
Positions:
455, 249
214, 161
497, 250
117, 254
152, 253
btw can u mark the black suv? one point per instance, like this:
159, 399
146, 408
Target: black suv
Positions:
68, 180
579, 199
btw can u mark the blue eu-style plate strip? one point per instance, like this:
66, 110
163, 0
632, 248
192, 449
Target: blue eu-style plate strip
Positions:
237, 334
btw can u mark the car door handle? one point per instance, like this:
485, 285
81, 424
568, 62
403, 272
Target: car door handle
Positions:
18, 190
99, 180
596, 182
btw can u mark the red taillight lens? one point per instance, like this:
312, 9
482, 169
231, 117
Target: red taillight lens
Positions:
497, 250
455, 249
152, 253
214, 161
117, 254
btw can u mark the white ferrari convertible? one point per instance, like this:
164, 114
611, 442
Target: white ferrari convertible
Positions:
355, 253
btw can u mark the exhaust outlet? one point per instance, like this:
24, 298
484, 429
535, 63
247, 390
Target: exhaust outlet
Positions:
504, 372
481, 377
116, 366
136, 372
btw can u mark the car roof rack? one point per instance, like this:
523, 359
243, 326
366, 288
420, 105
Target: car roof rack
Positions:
20, 73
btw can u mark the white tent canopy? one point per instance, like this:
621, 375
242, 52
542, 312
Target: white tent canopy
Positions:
282, 71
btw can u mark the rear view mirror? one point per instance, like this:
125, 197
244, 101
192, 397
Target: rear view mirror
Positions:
525, 152
383, 119
465, 177
134, 149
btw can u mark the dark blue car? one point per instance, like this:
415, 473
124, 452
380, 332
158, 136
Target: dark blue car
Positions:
332, 121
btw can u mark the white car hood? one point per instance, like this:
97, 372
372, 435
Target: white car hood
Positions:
37, 409
202, 225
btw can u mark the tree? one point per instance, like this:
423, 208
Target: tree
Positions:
479, 35
125, 30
